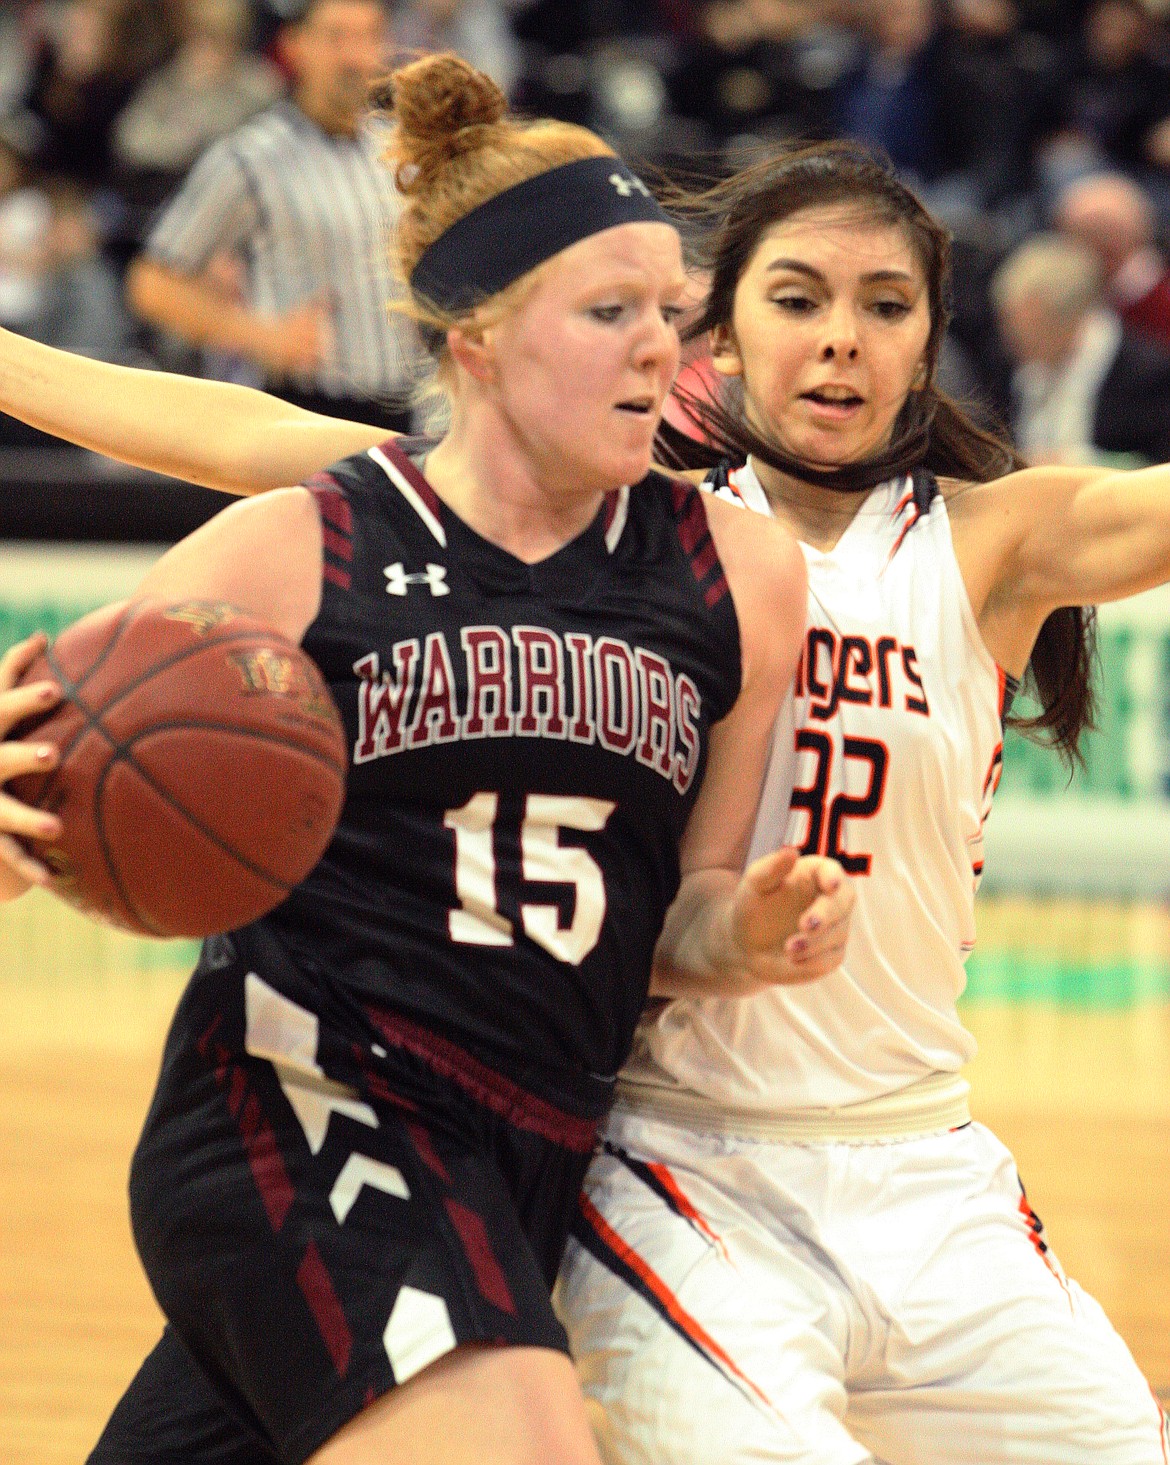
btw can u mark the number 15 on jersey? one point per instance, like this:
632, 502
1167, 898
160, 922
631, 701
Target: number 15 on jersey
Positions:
477, 920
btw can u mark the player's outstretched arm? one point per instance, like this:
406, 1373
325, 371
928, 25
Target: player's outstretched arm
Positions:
18, 823
1046, 537
222, 436
732, 932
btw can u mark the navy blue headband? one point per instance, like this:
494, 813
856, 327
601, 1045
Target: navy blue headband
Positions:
516, 230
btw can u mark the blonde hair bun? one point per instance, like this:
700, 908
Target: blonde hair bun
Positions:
441, 105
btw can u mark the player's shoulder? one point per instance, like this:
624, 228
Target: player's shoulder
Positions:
748, 544
271, 130
371, 468
258, 149
755, 548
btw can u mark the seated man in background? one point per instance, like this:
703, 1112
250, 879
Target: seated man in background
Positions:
1085, 390
1116, 219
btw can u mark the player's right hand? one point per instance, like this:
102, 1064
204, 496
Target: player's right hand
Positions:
18, 868
790, 917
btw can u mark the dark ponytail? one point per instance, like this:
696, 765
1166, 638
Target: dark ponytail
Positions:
932, 431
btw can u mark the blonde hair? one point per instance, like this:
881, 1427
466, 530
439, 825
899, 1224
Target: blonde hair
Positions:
1065, 274
454, 147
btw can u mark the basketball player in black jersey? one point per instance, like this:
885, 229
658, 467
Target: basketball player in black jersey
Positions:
376, 1104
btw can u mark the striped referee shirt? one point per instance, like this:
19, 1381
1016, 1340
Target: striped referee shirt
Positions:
311, 214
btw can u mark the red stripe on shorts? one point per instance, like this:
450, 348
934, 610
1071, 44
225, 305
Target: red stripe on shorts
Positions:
315, 1282
489, 1275
678, 1315
427, 1152
682, 1204
1035, 1227
487, 1087
1163, 1426
266, 1163
259, 1138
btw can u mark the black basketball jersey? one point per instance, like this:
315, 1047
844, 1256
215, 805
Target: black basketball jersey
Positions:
527, 742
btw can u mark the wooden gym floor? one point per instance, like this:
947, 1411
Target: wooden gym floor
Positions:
1074, 1075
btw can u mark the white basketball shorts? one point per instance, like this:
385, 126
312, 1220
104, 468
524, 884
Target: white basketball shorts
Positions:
733, 1301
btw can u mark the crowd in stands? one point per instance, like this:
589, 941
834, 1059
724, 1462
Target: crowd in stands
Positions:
1039, 130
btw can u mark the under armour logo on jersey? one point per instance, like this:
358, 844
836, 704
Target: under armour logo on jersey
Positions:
398, 581
626, 184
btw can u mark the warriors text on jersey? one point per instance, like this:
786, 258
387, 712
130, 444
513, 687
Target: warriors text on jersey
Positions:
886, 757
527, 743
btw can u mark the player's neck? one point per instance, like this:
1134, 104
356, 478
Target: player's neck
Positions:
484, 475
816, 516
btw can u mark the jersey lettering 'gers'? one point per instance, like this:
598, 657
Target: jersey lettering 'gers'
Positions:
527, 743
886, 756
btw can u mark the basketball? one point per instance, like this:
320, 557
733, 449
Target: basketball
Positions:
202, 767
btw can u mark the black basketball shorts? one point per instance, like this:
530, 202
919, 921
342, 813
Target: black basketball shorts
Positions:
327, 1198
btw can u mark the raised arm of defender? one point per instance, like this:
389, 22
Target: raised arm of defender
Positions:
222, 436
1047, 537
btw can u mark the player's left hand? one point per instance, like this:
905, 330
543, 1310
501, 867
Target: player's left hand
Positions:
790, 917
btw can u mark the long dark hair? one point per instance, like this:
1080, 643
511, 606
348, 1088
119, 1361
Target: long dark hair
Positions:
932, 431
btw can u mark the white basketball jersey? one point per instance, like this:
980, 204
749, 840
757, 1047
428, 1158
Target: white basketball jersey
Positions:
886, 756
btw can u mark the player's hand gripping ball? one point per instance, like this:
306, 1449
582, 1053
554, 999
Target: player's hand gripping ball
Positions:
202, 768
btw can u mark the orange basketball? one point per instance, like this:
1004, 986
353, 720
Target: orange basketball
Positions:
202, 766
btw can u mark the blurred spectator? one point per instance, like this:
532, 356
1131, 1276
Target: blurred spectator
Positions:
997, 88
562, 26
25, 213
891, 97
561, 41
83, 309
1084, 389
54, 284
15, 55
89, 57
300, 194
1116, 109
1053, 18
747, 68
205, 91
477, 30
1116, 219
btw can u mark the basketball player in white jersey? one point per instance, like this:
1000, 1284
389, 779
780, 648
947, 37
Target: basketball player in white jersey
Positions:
796, 1246
810, 1254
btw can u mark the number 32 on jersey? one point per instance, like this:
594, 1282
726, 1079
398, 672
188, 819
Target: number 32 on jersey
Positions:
865, 766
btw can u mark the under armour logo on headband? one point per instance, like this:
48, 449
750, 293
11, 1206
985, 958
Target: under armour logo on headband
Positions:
626, 184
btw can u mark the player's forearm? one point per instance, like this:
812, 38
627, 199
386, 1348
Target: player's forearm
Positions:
696, 955
213, 433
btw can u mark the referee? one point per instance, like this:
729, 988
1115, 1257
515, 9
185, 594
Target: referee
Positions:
300, 195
